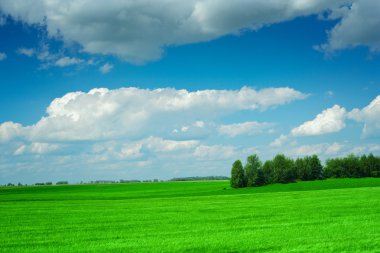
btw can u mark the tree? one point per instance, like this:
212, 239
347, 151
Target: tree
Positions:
237, 175
316, 168
284, 169
260, 179
302, 168
251, 168
268, 172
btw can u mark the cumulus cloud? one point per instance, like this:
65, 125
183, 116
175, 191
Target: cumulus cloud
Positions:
325, 149
246, 128
67, 61
328, 121
3, 56
10, 130
359, 26
36, 148
370, 116
214, 152
138, 31
106, 68
29, 52
133, 112
279, 141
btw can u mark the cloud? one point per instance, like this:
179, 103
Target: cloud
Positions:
370, 116
36, 148
3, 21
10, 130
139, 31
325, 149
246, 128
3, 56
359, 26
214, 152
132, 112
329, 94
328, 121
106, 68
279, 141
67, 61
29, 52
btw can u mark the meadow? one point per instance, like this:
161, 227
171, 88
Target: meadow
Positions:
334, 215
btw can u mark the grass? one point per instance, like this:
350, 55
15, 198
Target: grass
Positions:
336, 215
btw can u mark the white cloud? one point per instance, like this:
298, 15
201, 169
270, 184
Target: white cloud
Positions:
67, 61
3, 56
215, 152
359, 26
370, 116
9, 130
329, 121
132, 112
247, 128
279, 141
26, 51
137, 31
333, 148
36, 148
106, 68
324, 149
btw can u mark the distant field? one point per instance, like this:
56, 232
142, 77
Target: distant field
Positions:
335, 215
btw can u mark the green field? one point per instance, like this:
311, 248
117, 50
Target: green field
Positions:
335, 215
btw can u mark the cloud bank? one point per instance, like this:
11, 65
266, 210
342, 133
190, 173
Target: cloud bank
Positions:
139, 31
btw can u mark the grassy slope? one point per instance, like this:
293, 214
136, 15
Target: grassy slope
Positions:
322, 216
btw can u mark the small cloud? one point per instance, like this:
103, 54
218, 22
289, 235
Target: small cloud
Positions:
3, 21
329, 94
26, 51
106, 68
279, 141
246, 128
3, 56
67, 61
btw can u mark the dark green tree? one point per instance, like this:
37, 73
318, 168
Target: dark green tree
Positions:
268, 172
284, 169
251, 167
237, 175
260, 179
316, 168
302, 167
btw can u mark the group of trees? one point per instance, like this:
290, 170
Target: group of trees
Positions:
282, 169
353, 166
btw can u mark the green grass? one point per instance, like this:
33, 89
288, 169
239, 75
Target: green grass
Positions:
340, 215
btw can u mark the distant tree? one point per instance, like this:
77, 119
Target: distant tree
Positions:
316, 168
373, 165
19, 184
237, 175
284, 169
251, 167
268, 172
62, 182
351, 165
260, 179
302, 168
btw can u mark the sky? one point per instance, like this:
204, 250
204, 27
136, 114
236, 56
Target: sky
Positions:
162, 89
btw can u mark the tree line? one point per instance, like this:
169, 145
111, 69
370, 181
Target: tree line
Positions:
282, 169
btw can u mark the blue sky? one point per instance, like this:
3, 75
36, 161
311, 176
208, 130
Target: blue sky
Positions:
214, 82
